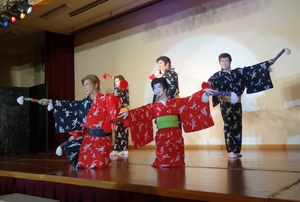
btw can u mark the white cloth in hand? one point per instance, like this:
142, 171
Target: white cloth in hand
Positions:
270, 69
50, 106
205, 97
58, 151
234, 98
157, 74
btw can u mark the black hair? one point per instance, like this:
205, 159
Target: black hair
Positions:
120, 77
165, 59
161, 81
225, 55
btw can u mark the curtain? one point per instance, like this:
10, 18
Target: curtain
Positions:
59, 75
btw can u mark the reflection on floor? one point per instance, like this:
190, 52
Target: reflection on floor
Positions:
209, 175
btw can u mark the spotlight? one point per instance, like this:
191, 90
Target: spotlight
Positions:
4, 23
7, 15
18, 12
25, 7
15, 10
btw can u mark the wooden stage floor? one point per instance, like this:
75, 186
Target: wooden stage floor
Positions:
209, 175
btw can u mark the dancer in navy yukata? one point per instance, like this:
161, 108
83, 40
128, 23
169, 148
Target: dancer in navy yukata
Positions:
255, 78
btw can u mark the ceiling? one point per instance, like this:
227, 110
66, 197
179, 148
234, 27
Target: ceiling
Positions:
27, 34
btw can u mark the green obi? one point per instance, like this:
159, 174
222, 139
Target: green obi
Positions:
168, 121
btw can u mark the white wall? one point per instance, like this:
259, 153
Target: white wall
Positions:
193, 33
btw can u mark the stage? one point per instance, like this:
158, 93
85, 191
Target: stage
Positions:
209, 175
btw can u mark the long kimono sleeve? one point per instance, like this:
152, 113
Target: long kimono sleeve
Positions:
216, 85
69, 115
113, 106
257, 77
140, 124
195, 114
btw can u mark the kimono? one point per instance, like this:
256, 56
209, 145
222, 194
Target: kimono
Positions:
91, 150
122, 132
195, 115
172, 78
255, 78
66, 112
70, 114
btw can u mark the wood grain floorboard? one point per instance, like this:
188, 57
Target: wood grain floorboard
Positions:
209, 175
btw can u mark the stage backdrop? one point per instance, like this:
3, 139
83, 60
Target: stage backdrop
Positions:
23, 127
193, 33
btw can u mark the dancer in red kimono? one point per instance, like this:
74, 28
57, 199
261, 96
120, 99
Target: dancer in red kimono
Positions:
91, 122
193, 111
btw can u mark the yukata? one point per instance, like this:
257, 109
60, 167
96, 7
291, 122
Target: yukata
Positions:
255, 78
172, 78
65, 112
122, 132
91, 149
195, 115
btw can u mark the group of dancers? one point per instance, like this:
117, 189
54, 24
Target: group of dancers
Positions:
90, 121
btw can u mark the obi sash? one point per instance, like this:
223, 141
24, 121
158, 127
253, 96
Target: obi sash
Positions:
124, 109
168, 121
97, 132
225, 98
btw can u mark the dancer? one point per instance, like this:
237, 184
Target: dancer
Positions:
121, 133
77, 134
254, 78
194, 113
165, 70
169, 73
89, 122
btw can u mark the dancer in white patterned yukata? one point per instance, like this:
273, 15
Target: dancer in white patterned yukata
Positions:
254, 78
121, 133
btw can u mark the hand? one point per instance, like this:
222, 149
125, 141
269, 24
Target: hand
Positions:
157, 74
44, 101
210, 91
271, 61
